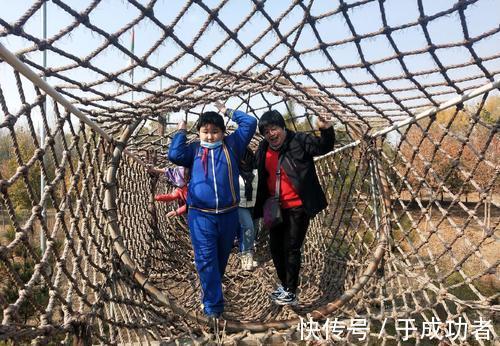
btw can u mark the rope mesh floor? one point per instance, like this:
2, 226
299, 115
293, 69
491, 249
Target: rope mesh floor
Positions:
411, 230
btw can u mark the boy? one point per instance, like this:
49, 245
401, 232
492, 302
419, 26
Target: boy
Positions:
213, 195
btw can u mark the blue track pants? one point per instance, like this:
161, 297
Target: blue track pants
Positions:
212, 236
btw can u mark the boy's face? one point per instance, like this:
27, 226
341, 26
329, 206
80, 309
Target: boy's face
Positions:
275, 135
210, 133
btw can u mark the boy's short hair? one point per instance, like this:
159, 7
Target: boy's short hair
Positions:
213, 118
269, 118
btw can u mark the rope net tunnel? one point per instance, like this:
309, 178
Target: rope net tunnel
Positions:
411, 230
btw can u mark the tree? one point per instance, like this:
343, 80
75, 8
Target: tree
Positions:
23, 149
16, 152
447, 150
491, 110
292, 121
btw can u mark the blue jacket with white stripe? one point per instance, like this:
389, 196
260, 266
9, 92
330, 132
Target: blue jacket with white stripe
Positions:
217, 191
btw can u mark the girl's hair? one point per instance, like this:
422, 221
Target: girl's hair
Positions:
187, 175
211, 118
270, 118
176, 175
247, 161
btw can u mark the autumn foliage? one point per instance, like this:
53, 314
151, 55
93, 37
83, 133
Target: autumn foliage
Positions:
457, 151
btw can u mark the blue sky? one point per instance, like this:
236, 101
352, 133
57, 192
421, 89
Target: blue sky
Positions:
112, 15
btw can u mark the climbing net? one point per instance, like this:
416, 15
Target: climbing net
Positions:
408, 246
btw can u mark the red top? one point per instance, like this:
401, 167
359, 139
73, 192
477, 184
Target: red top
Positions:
288, 196
178, 194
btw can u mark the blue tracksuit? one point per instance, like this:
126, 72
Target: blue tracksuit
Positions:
213, 198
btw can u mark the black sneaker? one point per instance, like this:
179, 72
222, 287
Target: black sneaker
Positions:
277, 292
286, 298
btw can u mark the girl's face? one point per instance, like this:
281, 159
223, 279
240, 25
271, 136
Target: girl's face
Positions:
210, 133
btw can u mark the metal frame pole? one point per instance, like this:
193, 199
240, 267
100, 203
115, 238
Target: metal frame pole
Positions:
427, 113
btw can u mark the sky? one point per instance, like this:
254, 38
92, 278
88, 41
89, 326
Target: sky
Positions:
112, 15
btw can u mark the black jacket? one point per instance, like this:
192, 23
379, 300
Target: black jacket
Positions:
299, 149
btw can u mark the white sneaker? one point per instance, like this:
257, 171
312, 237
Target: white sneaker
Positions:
247, 262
